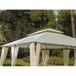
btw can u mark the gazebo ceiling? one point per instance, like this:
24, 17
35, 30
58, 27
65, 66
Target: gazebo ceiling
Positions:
49, 37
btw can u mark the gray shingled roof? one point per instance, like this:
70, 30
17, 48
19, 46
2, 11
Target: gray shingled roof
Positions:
47, 36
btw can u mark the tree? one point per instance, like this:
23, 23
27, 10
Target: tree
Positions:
17, 22
2, 36
73, 32
56, 18
64, 19
43, 19
72, 23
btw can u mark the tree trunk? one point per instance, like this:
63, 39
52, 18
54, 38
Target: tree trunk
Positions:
56, 18
72, 24
73, 34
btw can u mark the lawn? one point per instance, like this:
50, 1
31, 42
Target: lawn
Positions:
53, 61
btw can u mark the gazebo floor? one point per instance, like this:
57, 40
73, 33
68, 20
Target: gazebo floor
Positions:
53, 61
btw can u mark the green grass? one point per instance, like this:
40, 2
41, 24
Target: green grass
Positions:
59, 61
19, 62
53, 61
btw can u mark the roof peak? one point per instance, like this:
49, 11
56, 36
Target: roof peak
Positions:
46, 30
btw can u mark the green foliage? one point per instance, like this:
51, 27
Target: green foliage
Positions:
56, 52
42, 19
2, 35
17, 23
65, 21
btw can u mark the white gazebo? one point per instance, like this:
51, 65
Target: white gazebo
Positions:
40, 41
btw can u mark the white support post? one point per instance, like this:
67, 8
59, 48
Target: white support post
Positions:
66, 56
14, 53
3, 55
38, 49
75, 57
45, 57
34, 54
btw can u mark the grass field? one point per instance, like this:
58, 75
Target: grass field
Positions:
53, 61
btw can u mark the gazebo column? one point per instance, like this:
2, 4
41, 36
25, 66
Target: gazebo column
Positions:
75, 57
38, 49
14, 53
34, 54
3, 55
66, 56
45, 57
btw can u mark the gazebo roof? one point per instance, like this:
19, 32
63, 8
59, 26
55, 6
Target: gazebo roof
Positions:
48, 37
45, 30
